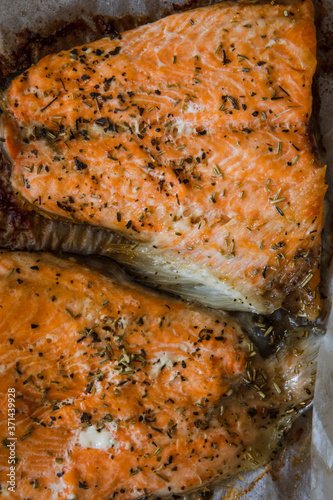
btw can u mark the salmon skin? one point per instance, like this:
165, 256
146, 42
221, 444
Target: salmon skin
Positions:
190, 138
122, 392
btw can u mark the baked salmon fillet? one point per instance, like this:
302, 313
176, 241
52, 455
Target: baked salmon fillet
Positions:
190, 138
122, 392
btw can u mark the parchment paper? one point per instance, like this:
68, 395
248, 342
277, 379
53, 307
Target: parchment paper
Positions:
322, 435
290, 475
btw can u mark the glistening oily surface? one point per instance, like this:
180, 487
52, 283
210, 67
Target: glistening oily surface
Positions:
122, 392
190, 137
287, 486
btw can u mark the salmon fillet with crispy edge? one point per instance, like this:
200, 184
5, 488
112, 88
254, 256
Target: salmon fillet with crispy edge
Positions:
122, 392
189, 137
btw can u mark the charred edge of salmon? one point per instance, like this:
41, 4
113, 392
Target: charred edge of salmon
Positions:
299, 298
31, 46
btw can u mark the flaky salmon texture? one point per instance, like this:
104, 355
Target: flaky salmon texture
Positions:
190, 137
122, 392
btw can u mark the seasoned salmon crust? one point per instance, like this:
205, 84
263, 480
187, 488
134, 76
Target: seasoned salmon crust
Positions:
121, 392
190, 137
